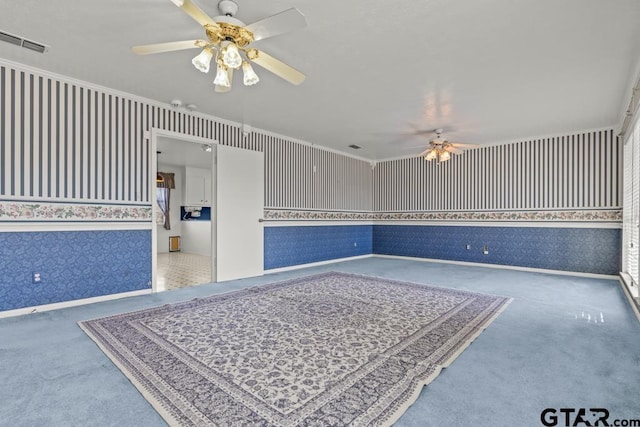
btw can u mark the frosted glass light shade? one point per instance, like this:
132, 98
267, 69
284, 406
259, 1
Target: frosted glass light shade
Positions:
222, 77
431, 155
250, 76
444, 156
202, 61
231, 56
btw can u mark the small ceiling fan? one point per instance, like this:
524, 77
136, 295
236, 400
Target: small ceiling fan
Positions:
227, 43
440, 149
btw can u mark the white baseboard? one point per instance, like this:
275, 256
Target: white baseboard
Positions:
73, 303
315, 264
504, 267
627, 293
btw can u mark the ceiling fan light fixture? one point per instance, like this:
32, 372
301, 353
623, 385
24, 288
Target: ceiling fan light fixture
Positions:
222, 77
250, 76
231, 56
444, 156
202, 61
431, 155
227, 40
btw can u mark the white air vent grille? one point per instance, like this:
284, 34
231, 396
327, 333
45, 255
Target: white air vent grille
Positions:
19, 41
9, 38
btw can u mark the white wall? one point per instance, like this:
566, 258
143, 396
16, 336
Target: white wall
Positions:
174, 212
196, 237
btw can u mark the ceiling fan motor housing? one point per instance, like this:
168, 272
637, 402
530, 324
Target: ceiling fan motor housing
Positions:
228, 7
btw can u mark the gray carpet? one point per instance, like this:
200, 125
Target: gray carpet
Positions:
563, 342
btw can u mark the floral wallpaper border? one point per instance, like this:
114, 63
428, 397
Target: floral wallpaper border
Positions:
591, 215
296, 215
45, 212
48, 212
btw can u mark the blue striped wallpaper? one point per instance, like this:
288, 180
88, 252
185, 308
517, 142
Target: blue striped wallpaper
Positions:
72, 265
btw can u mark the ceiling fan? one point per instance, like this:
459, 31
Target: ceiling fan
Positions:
440, 149
227, 43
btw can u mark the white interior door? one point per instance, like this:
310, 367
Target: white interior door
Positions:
239, 208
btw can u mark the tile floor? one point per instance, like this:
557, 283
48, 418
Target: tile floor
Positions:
179, 270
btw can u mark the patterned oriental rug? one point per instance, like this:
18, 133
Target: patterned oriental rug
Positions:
330, 349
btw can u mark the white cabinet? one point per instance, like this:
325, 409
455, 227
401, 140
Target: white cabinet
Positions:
198, 190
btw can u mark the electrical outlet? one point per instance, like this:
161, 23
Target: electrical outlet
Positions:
36, 278
355, 244
485, 250
468, 246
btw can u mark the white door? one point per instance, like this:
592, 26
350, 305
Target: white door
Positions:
239, 208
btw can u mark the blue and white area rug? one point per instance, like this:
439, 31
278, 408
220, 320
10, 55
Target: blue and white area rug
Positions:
330, 349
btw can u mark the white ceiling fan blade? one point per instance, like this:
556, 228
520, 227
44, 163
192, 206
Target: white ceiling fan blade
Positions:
276, 66
195, 12
463, 145
283, 22
148, 49
424, 153
454, 150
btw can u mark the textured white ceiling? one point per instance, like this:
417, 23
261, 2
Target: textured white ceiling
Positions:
486, 71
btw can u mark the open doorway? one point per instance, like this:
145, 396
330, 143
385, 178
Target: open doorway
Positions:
184, 235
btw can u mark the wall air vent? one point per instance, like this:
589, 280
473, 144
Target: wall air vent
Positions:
355, 147
19, 41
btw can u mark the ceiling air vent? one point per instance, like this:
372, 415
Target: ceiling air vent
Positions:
28, 44
19, 41
355, 147
9, 38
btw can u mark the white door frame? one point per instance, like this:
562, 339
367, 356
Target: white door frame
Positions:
153, 170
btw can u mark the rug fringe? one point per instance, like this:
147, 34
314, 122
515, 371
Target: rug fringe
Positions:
397, 414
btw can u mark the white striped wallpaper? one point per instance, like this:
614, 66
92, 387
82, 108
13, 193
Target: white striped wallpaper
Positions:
59, 140
568, 172
304, 177
65, 140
